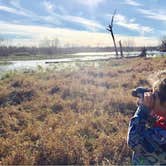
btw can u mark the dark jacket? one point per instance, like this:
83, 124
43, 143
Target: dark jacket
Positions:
148, 143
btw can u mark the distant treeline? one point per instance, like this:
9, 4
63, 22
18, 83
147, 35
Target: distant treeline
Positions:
25, 51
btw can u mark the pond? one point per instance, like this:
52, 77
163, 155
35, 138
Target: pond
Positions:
78, 57
34, 64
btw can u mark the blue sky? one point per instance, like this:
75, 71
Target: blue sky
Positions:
82, 22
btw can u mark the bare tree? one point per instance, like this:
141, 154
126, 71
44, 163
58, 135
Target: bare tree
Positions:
49, 43
55, 43
49, 46
44, 43
129, 45
110, 29
1, 40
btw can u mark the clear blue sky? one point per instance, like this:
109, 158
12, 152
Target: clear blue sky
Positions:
82, 22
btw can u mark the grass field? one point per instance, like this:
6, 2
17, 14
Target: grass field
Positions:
76, 116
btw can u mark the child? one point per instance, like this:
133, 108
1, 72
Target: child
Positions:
149, 142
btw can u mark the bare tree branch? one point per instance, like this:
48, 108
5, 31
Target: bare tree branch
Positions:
110, 29
113, 18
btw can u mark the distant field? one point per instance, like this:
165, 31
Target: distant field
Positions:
71, 116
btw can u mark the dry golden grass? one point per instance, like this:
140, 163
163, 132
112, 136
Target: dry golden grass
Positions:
71, 117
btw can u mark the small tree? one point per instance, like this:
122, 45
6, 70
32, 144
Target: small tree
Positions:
143, 52
129, 45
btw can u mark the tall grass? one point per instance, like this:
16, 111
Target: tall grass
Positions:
71, 117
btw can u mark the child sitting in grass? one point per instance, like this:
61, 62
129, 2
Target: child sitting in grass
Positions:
149, 141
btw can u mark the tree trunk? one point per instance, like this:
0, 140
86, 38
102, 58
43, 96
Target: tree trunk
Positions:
116, 50
121, 49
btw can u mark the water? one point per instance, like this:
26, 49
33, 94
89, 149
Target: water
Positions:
34, 64
86, 56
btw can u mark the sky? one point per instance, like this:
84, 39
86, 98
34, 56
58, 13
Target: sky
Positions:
82, 22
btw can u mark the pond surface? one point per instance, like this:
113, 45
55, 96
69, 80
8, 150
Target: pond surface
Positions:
86, 56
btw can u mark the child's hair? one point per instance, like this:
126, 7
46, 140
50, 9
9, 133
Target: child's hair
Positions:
160, 87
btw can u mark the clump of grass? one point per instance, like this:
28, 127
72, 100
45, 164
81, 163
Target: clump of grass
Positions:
8, 75
71, 117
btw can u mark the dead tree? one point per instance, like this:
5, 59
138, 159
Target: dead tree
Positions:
110, 29
121, 49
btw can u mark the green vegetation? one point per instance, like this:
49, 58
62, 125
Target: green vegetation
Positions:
76, 116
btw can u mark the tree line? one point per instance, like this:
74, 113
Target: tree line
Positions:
52, 47
28, 51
